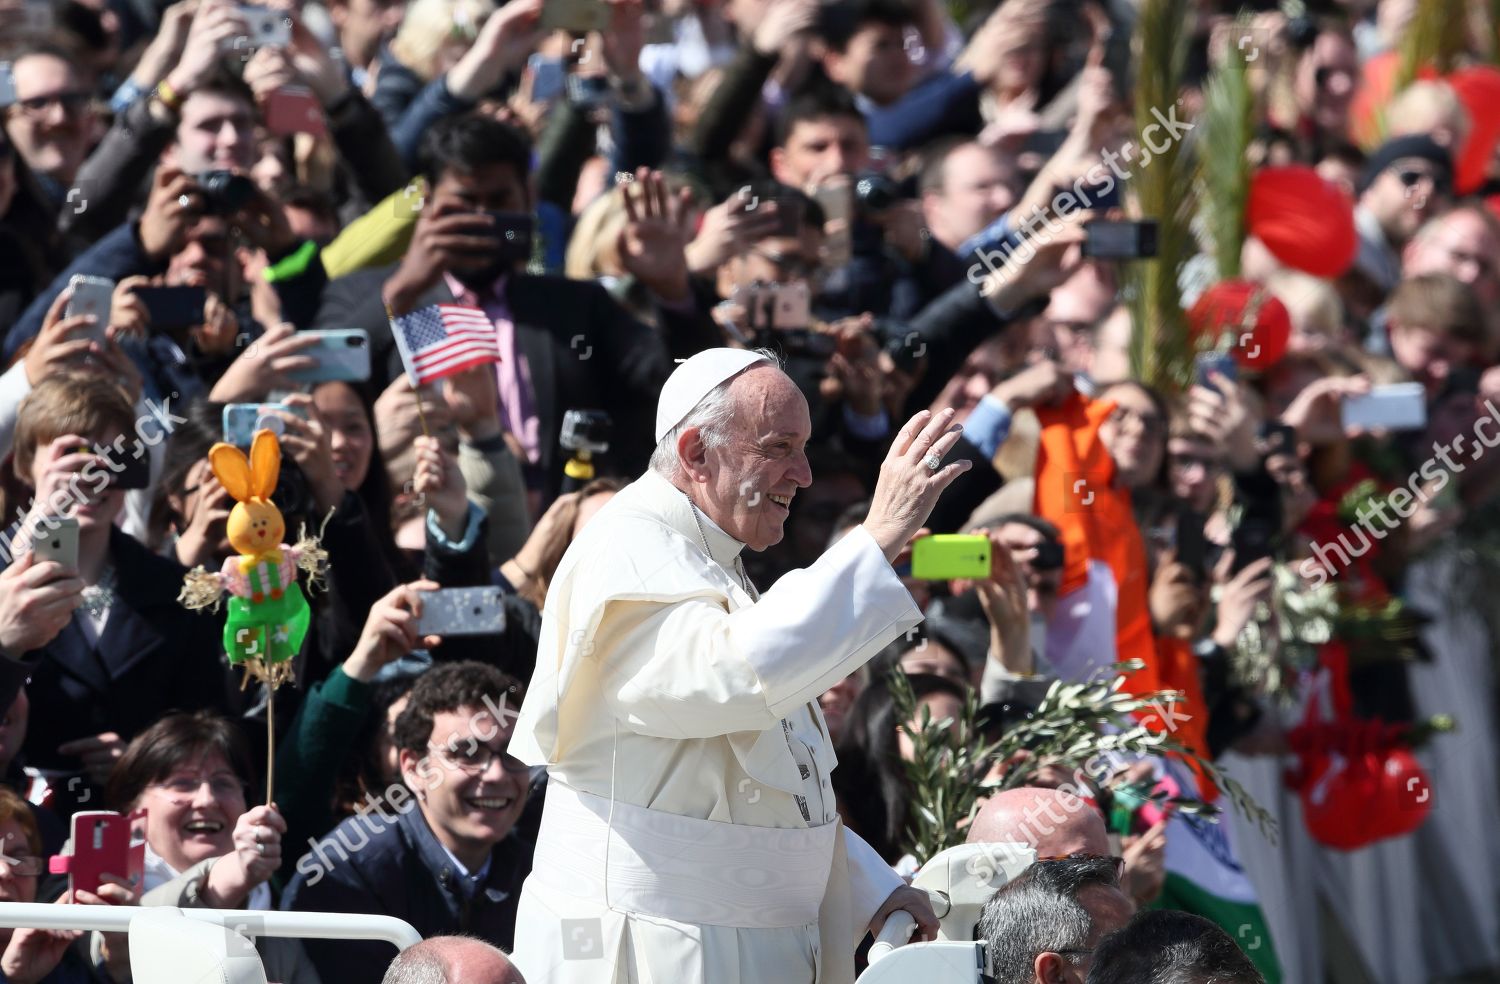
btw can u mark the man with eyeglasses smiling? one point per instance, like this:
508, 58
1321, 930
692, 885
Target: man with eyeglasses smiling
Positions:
451, 863
51, 119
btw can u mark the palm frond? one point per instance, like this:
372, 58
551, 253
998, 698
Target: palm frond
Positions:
1436, 36
1161, 184
1226, 127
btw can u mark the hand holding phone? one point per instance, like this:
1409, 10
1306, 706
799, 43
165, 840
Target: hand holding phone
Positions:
55, 538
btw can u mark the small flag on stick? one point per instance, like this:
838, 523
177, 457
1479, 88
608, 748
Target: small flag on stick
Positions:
442, 339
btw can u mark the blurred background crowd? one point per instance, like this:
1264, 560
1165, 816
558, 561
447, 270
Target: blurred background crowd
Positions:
1214, 290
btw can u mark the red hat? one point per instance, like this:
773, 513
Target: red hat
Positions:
1305, 221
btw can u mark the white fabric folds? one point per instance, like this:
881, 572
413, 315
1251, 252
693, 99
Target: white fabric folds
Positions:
653, 863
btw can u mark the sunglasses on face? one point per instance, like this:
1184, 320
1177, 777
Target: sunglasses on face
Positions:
1409, 179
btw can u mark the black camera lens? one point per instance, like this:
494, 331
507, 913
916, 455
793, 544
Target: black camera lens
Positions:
224, 192
875, 192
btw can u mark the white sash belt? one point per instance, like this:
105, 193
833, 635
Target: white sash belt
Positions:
693, 871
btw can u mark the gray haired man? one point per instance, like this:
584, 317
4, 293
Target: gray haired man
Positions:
1042, 927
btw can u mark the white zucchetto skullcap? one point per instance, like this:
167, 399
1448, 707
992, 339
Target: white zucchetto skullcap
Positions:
695, 379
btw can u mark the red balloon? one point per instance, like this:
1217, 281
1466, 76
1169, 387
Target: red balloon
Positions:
1306, 222
1357, 786
1478, 88
1223, 307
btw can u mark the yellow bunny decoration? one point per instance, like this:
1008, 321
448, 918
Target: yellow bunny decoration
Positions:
268, 614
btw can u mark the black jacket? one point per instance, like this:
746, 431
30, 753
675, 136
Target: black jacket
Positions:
391, 864
583, 351
154, 656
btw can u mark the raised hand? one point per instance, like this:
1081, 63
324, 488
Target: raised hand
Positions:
908, 486
652, 245
390, 631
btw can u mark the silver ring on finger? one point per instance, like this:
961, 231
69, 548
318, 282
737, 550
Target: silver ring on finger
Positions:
933, 462
183, 200
260, 848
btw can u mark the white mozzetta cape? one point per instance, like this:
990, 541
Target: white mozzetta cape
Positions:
661, 683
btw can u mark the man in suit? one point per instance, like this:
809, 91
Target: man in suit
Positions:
565, 344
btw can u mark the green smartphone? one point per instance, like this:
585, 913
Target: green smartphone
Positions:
950, 555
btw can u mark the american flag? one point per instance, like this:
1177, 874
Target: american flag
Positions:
442, 339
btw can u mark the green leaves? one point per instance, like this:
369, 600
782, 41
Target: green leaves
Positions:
1076, 726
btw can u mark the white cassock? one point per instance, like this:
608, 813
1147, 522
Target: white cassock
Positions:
690, 832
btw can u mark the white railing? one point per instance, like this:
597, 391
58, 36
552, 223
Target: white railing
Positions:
247, 922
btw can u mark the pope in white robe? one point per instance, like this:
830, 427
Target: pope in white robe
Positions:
690, 832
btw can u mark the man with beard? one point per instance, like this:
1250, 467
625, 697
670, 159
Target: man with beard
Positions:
564, 343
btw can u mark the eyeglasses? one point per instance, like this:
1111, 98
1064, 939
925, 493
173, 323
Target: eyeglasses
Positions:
222, 786
1116, 860
475, 759
72, 103
22, 865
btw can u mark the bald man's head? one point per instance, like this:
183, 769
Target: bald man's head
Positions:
1053, 821
452, 960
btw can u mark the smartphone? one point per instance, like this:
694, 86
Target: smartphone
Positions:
1049, 556
102, 844
950, 555
7, 85
242, 420
1192, 545
266, 28
126, 468
37, 17
343, 355
1214, 362
294, 109
548, 77
778, 307
589, 92
575, 16
462, 611
1278, 438
91, 295
1112, 239
1396, 406
56, 538
789, 213
837, 202
173, 308
514, 232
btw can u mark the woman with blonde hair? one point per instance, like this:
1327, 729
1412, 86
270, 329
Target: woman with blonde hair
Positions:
432, 37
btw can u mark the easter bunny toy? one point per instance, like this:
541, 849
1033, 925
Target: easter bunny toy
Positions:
268, 614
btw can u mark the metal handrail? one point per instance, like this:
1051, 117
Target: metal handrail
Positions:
247, 922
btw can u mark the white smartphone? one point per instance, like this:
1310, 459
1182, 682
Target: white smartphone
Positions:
343, 355
56, 538
242, 420
1397, 406
462, 611
91, 295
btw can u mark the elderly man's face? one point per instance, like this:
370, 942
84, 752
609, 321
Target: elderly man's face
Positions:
746, 485
1461, 244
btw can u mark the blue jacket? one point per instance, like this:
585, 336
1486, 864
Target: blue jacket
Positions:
394, 866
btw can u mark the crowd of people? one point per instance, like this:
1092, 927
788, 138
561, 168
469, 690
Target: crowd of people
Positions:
845, 183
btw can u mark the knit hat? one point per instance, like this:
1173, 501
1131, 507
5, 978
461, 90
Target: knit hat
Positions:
1399, 148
